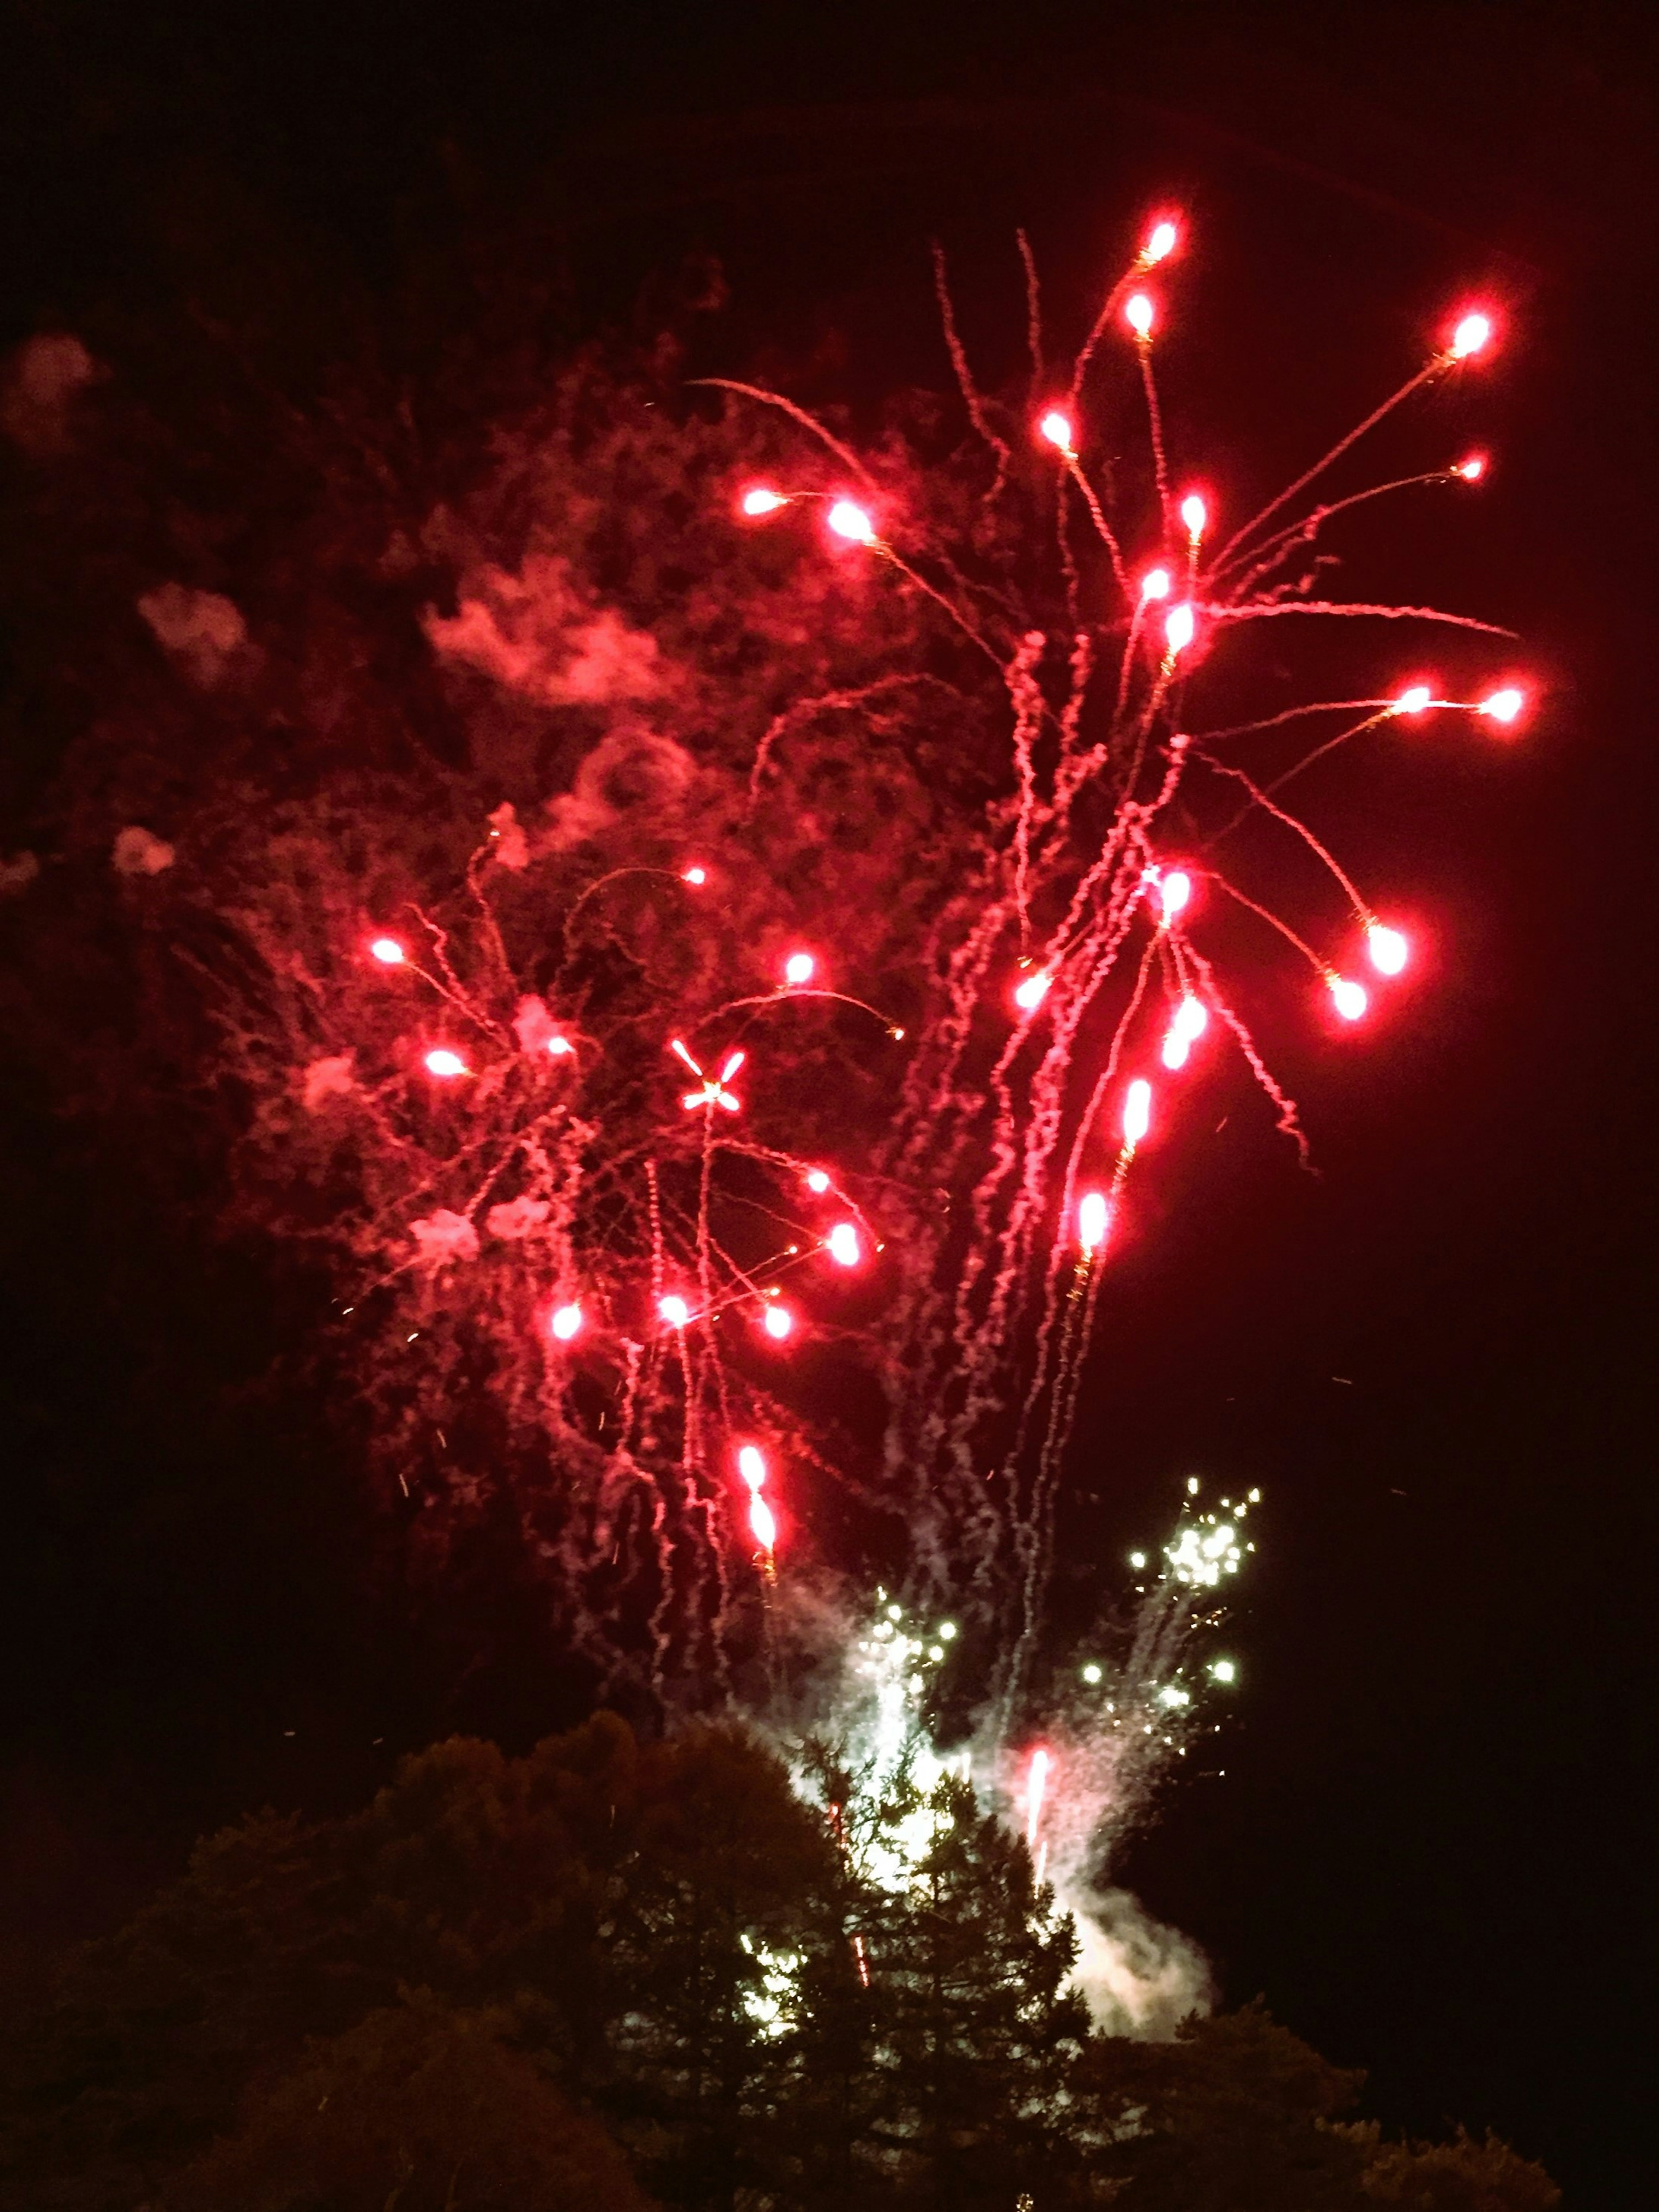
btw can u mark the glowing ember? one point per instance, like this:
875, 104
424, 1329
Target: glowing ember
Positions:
778, 1322
1414, 700
1092, 1220
1175, 1051
751, 1465
559, 1046
1348, 998
1174, 893
1155, 584
388, 951
1138, 313
1471, 335
842, 1245
1137, 1111
1033, 991
1472, 469
1195, 515
1388, 948
1503, 706
695, 876
761, 499
443, 1063
799, 968
1160, 245
817, 1181
1035, 1788
762, 1524
1057, 429
674, 1311
851, 522
566, 1322
1178, 626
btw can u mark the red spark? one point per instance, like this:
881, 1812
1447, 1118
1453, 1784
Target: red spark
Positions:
1471, 335
1092, 1215
1348, 998
778, 1322
1155, 584
842, 1245
566, 1322
1472, 469
1162, 242
1415, 700
761, 499
817, 1181
442, 1062
799, 968
388, 951
1137, 1112
850, 521
1138, 313
1057, 429
1033, 991
1195, 515
1503, 706
1388, 948
674, 1311
1178, 627
695, 876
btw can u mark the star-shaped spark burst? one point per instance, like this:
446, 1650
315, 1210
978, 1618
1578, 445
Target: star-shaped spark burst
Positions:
714, 1091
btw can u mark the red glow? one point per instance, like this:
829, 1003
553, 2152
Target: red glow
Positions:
442, 1062
751, 1465
761, 499
778, 1322
1175, 1051
1164, 237
388, 951
799, 968
1137, 1111
674, 1311
1178, 627
1138, 313
1472, 469
762, 1524
1348, 998
1195, 515
1192, 1017
851, 522
842, 1245
1032, 992
1092, 1220
818, 1181
695, 876
1503, 706
1175, 891
566, 1322
1415, 700
1471, 335
1057, 429
559, 1046
1155, 584
1388, 950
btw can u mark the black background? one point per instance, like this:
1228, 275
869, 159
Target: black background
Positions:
1430, 1843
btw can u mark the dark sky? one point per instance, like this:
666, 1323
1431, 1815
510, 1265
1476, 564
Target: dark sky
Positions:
1429, 1845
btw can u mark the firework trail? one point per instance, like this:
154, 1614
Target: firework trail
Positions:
603, 1154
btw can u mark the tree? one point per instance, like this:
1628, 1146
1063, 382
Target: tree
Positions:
416, 2107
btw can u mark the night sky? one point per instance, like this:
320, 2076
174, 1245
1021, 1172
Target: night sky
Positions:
1424, 1847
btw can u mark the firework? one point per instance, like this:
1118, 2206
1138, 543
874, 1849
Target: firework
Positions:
541, 1200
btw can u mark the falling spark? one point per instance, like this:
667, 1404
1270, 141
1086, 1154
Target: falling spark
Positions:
1091, 1221
1032, 992
1035, 1788
817, 1181
761, 499
842, 1245
1503, 706
1174, 894
799, 968
1470, 336
1348, 998
850, 521
388, 951
1162, 242
1195, 515
1178, 626
442, 1062
1388, 948
778, 1322
694, 875
1472, 469
1137, 1112
1057, 429
674, 1311
1415, 700
1138, 313
567, 1320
